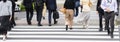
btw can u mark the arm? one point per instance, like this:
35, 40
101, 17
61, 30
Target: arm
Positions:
97, 5
103, 5
64, 4
116, 6
10, 10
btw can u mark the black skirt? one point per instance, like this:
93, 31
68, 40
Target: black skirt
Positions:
5, 24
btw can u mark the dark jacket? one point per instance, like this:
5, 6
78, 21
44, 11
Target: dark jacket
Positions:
99, 9
51, 4
69, 4
40, 5
77, 0
118, 2
13, 4
28, 3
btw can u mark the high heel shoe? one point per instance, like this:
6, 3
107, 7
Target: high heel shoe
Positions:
55, 22
71, 28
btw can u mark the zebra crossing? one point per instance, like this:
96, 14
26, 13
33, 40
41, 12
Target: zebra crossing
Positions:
52, 33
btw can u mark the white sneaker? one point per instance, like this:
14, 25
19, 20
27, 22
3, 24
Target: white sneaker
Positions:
86, 26
4, 37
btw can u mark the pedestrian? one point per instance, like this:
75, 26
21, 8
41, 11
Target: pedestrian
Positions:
77, 5
69, 5
13, 10
109, 7
86, 4
44, 11
51, 7
101, 14
29, 10
39, 4
6, 15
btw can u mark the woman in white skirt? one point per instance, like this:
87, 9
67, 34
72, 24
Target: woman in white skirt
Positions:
86, 4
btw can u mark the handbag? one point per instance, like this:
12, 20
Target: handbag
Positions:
55, 15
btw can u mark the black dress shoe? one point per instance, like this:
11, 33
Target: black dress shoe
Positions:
43, 18
66, 27
100, 30
55, 22
29, 23
50, 25
40, 25
71, 28
111, 35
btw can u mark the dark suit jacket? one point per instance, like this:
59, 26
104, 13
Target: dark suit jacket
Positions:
13, 4
28, 3
98, 8
51, 4
118, 2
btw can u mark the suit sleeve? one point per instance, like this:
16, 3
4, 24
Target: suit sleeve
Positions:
97, 5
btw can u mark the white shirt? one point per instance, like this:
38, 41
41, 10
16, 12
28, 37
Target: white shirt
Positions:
5, 8
112, 5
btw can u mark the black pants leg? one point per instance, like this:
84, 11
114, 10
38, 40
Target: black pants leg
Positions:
100, 21
77, 11
109, 17
49, 17
112, 23
39, 15
29, 14
13, 20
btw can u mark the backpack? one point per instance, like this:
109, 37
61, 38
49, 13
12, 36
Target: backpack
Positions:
38, 2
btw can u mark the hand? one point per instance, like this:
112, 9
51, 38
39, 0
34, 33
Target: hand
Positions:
116, 13
10, 18
97, 12
108, 10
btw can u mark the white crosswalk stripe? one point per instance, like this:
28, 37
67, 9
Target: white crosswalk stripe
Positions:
22, 33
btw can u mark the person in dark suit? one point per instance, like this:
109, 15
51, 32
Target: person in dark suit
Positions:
39, 4
51, 6
13, 9
100, 11
29, 10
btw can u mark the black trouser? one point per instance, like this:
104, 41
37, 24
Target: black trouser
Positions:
13, 20
76, 11
109, 20
39, 14
100, 20
49, 16
29, 13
